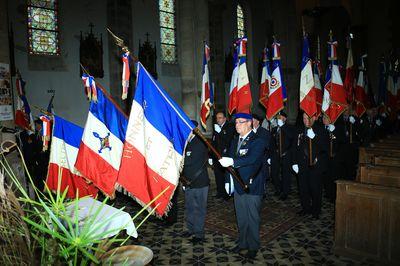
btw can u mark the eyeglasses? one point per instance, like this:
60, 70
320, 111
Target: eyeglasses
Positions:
241, 122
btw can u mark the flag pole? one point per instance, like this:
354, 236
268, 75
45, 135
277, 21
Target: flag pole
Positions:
230, 169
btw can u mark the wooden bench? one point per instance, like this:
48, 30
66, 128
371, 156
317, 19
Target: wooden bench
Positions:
367, 155
388, 176
367, 222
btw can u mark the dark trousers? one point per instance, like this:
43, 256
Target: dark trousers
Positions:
281, 174
219, 172
334, 172
196, 209
247, 209
310, 190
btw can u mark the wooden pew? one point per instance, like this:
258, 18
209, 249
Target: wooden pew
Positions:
367, 155
367, 222
386, 161
379, 175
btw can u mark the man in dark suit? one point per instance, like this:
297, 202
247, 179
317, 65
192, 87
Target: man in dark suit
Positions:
195, 178
222, 137
283, 136
335, 169
246, 155
309, 162
350, 149
265, 136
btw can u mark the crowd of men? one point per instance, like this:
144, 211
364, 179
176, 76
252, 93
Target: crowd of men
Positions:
314, 151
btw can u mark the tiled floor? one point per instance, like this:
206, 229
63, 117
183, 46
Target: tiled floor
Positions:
291, 241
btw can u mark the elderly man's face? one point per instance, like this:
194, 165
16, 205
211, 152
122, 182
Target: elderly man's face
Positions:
243, 126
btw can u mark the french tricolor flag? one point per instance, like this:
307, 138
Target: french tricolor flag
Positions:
100, 151
244, 99
317, 85
334, 101
265, 79
276, 97
156, 137
206, 90
64, 150
308, 101
233, 97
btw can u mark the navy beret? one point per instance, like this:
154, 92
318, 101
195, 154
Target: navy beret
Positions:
243, 115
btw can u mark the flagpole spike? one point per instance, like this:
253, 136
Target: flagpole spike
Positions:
330, 35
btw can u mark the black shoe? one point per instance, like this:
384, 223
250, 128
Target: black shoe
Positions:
315, 216
251, 254
237, 249
283, 197
277, 193
196, 240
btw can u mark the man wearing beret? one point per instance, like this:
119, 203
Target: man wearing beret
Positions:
246, 154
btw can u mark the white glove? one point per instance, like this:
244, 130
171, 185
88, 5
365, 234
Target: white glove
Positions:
398, 117
226, 161
310, 133
269, 161
295, 168
280, 122
217, 128
331, 127
378, 122
183, 188
352, 119
361, 121
210, 161
384, 115
229, 186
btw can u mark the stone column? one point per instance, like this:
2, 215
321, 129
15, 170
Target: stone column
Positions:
119, 20
193, 31
215, 9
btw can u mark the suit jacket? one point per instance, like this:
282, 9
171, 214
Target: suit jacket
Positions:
319, 144
288, 134
222, 141
247, 161
265, 136
195, 164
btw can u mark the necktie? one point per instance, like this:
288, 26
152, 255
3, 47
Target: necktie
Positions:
239, 144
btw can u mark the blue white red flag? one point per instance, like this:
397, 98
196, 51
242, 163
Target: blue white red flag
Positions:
244, 99
233, 97
308, 100
276, 91
100, 151
334, 101
350, 75
265, 79
360, 94
206, 89
155, 142
126, 74
63, 152
317, 85
90, 87
23, 114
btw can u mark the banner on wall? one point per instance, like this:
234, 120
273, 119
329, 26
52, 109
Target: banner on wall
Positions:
6, 109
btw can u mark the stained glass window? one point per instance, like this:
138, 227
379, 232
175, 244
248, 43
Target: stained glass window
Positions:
43, 27
241, 30
168, 31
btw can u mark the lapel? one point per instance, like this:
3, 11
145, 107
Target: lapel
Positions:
245, 143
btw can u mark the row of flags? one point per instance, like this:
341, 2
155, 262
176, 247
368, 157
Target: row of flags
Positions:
141, 154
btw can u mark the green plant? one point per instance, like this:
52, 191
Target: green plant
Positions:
53, 232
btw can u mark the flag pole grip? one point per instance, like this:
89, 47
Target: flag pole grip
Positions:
230, 169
